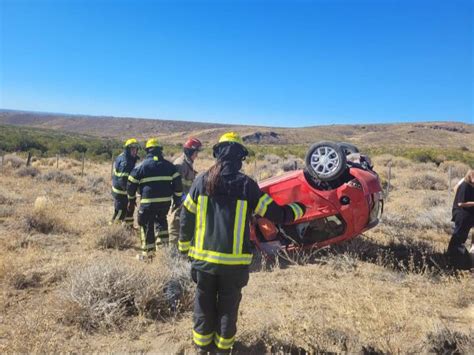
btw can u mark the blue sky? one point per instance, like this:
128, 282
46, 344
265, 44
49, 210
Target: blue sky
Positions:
276, 63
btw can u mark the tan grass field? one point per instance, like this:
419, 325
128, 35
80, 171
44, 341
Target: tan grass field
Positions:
70, 282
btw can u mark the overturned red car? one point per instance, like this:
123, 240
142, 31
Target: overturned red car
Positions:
342, 194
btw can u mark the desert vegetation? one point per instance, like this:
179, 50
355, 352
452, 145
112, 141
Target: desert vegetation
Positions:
49, 143
70, 282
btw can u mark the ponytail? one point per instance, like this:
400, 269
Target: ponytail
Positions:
214, 178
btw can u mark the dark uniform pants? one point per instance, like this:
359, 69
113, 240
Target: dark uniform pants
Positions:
161, 227
216, 306
459, 255
121, 211
151, 238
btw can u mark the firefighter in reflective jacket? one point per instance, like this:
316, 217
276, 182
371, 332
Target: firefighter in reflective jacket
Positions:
184, 164
160, 185
123, 165
214, 232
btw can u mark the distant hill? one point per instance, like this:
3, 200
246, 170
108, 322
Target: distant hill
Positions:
426, 134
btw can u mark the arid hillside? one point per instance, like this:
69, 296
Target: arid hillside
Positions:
70, 281
432, 134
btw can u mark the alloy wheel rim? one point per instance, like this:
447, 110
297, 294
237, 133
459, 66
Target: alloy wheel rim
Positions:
324, 161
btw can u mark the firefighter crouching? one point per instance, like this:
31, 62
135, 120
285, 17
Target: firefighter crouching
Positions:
215, 234
123, 165
184, 165
159, 184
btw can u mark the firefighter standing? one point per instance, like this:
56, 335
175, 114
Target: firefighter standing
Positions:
463, 218
215, 234
184, 165
123, 165
159, 184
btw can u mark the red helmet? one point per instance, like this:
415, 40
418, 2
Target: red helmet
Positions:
193, 143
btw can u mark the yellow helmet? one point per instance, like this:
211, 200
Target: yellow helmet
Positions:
231, 137
131, 142
152, 143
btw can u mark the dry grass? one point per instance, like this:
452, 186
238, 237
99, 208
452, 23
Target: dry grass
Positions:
116, 237
71, 283
14, 161
318, 309
458, 169
59, 177
21, 280
426, 181
93, 184
103, 293
27, 171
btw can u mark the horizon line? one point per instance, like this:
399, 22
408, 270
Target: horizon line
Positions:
226, 124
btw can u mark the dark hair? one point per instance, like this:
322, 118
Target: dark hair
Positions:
213, 179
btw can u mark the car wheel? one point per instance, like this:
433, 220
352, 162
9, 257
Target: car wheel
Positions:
325, 161
348, 148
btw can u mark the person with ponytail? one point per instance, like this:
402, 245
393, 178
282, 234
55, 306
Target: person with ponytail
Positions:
214, 233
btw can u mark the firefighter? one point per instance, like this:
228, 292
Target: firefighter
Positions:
160, 185
214, 232
463, 218
123, 165
184, 164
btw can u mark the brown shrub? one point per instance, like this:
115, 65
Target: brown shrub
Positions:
45, 218
21, 281
6, 211
434, 201
426, 181
95, 185
104, 292
458, 169
400, 162
116, 237
272, 158
292, 164
58, 176
382, 160
14, 161
425, 167
27, 171
438, 217
6, 197
446, 341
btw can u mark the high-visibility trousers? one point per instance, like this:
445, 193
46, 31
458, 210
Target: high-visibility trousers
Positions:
216, 306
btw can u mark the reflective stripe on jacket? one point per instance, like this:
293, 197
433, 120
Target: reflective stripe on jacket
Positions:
123, 165
157, 180
215, 230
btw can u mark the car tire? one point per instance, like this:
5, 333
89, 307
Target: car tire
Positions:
325, 161
348, 148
